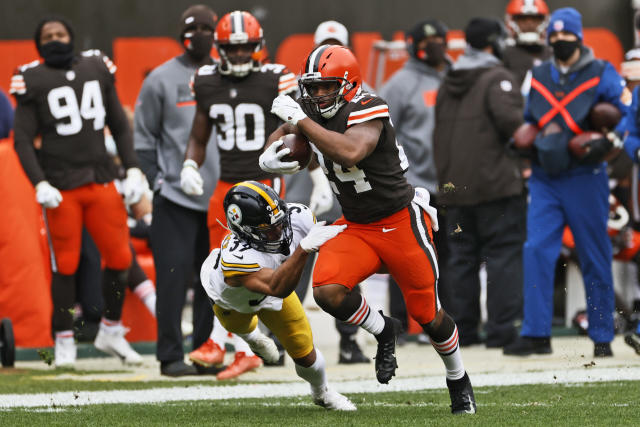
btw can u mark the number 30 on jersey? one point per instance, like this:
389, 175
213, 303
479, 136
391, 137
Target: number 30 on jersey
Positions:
242, 126
63, 104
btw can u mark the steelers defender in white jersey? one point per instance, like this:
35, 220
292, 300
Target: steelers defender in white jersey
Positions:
253, 275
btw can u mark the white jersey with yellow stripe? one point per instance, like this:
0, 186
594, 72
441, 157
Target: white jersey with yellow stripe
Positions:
236, 258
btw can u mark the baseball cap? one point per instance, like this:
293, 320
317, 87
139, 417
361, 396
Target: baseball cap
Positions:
331, 30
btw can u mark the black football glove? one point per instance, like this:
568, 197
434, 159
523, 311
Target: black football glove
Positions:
596, 150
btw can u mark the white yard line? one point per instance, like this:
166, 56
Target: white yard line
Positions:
197, 392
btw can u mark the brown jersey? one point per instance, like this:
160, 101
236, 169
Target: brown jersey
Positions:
68, 108
376, 187
240, 110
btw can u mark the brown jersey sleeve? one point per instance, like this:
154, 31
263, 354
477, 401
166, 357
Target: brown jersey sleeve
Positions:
25, 126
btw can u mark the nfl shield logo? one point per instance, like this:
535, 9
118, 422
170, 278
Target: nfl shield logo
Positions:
558, 25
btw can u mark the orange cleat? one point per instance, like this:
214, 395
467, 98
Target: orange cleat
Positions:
208, 354
241, 364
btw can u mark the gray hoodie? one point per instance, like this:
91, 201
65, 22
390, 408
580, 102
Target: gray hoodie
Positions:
163, 116
411, 95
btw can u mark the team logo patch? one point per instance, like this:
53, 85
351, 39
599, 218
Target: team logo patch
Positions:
558, 25
70, 75
506, 86
234, 214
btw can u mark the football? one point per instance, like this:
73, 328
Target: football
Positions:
577, 144
524, 136
604, 115
300, 149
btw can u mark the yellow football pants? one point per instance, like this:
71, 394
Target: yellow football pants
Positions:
290, 325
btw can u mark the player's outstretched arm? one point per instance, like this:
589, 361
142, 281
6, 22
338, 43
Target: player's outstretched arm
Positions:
283, 280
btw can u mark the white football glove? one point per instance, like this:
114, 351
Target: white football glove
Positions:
320, 234
287, 109
190, 178
48, 195
321, 195
134, 186
270, 160
422, 198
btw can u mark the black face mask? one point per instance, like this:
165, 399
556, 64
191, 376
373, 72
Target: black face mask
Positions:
199, 45
57, 54
435, 53
562, 49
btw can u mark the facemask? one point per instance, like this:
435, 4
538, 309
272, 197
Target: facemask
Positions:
57, 54
563, 49
198, 45
434, 53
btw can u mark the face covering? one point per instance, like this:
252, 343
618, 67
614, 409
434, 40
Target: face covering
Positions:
562, 49
198, 45
435, 53
57, 54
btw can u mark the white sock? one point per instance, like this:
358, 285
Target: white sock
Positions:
241, 346
147, 294
219, 334
315, 374
449, 352
370, 320
64, 335
110, 326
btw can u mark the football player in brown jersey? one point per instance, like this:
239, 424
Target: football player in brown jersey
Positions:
67, 100
234, 96
388, 221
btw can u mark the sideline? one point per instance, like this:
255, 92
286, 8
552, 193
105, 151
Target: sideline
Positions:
244, 391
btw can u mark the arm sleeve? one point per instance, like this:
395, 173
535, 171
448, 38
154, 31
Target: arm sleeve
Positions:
120, 129
632, 140
394, 97
612, 89
26, 128
504, 102
147, 128
6, 116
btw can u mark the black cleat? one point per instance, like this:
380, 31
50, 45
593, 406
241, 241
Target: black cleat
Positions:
602, 349
633, 339
177, 368
386, 363
525, 346
350, 352
461, 393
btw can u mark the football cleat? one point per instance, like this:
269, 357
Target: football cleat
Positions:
332, 400
264, 347
350, 352
386, 363
112, 342
461, 393
633, 340
241, 364
208, 354
65, 352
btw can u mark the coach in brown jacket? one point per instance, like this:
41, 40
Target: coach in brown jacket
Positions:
478, 108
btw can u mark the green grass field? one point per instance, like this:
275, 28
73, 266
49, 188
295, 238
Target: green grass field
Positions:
597, 403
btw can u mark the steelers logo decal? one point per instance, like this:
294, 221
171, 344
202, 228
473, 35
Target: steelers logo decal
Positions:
234, 214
